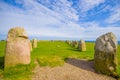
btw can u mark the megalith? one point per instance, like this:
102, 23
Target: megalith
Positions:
31, 46
82, 45
34, 43
74, 43
68, 42
105, 60
17, 47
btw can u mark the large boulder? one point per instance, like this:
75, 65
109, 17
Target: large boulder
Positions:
17, 48
34, 43
105, 60
82, 45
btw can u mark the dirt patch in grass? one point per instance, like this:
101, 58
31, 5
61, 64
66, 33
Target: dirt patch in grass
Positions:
73, 69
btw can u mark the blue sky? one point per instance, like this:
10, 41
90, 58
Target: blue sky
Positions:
61, 19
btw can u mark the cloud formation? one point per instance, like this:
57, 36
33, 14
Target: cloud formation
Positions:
115, 15
86, 5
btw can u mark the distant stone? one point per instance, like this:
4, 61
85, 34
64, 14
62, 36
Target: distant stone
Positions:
34, 43
68, 42
17, 48
105, 60
31, 46
82, 45
74, 43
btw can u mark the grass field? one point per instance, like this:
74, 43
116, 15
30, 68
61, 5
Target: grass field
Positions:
48, 53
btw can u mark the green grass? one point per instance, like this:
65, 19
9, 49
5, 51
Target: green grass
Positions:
19, 72
118, 57
48, 53
2, 51
61, 49
54, 53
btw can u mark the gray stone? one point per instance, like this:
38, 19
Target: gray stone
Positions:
105, 60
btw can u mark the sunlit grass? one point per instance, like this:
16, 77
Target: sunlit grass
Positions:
48, 53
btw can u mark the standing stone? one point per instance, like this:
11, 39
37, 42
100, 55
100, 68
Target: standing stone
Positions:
31, 46
68, 42
34, 43
17, 48
81, 45
105, 54
74, 43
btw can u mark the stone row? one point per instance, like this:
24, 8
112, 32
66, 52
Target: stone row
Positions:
18, 48
77, 44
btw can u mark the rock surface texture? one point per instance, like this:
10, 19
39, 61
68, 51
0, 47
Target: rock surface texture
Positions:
82, 45
105, 60
17, 47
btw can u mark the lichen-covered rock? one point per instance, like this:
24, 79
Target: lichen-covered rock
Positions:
82, 45
17, 48
34, 43
105, 60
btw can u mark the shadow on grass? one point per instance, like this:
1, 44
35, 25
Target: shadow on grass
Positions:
84, 64
1, 62
74, 49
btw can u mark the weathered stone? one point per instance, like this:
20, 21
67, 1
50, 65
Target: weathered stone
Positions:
17, 48
34, 43
105, 60
81, 45
74, 44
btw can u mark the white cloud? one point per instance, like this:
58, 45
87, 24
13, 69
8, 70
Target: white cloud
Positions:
86, 5
115, 15
62, 7
38, 20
